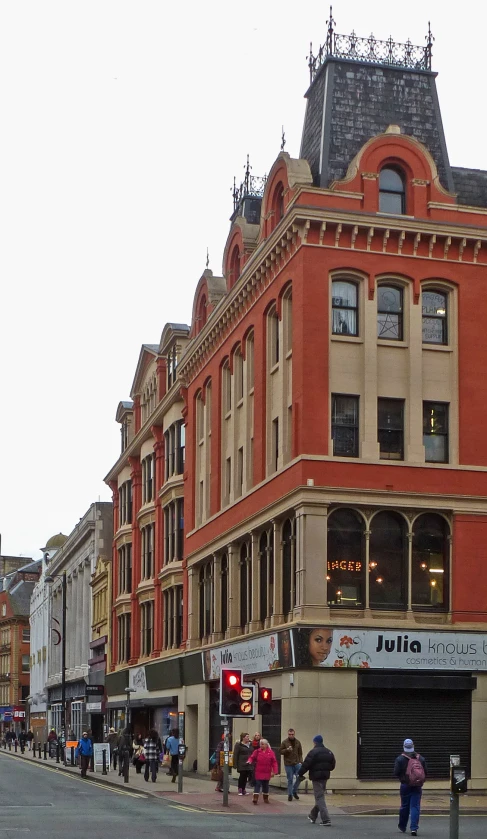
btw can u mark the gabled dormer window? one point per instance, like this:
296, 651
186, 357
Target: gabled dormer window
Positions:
392, 193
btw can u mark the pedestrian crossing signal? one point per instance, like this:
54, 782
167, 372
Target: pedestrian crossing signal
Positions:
265, 701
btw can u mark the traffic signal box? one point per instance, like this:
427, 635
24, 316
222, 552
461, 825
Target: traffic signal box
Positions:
237, 699
265, 701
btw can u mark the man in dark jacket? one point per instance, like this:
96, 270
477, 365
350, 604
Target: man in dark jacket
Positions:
410, 795
292, 752
319, 762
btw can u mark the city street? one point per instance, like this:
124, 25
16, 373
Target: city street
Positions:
39, 800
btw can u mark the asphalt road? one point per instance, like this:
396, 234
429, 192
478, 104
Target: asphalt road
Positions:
38, 802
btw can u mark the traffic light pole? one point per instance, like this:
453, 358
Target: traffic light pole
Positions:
454, 815
226, 749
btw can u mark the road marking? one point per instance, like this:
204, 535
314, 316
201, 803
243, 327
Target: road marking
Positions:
79, 779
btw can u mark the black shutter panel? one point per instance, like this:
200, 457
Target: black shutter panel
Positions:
439, 723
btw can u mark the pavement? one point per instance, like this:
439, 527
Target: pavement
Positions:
199, 794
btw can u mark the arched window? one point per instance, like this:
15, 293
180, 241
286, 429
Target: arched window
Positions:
389, 313
266, 558
387, 561
392, 196
245, 584
206, 599
346, 565
430, 562
435, 316
238, 374
278, 204
288, 566
249, 358
201, 316
273, 337
287, 321
234, 266
344, 306
224, 593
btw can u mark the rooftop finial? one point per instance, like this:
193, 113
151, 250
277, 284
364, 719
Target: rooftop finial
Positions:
207, 258
329, 35
429, 38
283, 139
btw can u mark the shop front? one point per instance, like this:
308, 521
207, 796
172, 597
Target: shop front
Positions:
77, 717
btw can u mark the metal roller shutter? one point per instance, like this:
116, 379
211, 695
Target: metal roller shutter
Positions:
438, 721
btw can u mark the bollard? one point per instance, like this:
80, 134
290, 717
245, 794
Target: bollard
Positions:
63, 755
126, 761
306, 787
45, 751
92, 763
15, 745
10, 745
72, 756
57, 752
104, 762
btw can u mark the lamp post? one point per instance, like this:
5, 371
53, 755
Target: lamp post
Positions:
49, 578
128, 721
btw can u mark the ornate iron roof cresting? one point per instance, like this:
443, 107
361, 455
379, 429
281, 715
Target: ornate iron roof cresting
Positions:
370, 50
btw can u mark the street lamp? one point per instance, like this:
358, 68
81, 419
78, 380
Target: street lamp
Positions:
128, 691
49, 578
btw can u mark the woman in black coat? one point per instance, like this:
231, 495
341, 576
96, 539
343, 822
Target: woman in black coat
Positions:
241, 753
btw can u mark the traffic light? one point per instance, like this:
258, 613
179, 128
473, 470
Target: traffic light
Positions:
236, 698
265, 701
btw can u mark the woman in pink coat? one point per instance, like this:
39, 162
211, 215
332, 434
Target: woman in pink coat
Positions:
265, 766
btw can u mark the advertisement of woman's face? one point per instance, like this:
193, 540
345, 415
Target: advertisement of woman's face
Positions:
313, 646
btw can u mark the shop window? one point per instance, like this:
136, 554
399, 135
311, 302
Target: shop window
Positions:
435, 317
430, 562
288, 566
345, 564
389, 313
344, 306
435, 432
344, 425
387, 561
392, 194
390, 428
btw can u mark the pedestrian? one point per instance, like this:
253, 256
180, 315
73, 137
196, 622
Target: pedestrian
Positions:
292, 752
241, 754
265, 766
112, 740
151, 751
124, 747
256, 741
30, 737
52, 736
319, 762
22, 740
172, 748
138, 754
410, 768
85, 752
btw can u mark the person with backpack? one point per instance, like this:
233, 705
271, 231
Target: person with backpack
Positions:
410, 768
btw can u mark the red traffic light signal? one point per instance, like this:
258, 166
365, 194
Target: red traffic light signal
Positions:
265, 701
236, 698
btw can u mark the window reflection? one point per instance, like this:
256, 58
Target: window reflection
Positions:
387, 561
430, 566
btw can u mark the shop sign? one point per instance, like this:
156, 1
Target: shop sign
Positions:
256, 655
19, 714
382, 649
94, 707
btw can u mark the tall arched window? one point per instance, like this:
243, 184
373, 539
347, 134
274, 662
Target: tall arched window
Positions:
266, 573
435, 316
245, 584
430, 562
346, 564
344, 308
234, 266
206, 599
392, 194
389, 313
224, 593
387, 561
278, 204
273, 347
288, 566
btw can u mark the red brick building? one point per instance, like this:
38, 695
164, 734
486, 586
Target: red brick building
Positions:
333, 489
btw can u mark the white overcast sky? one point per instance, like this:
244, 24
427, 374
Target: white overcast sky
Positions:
122, 126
